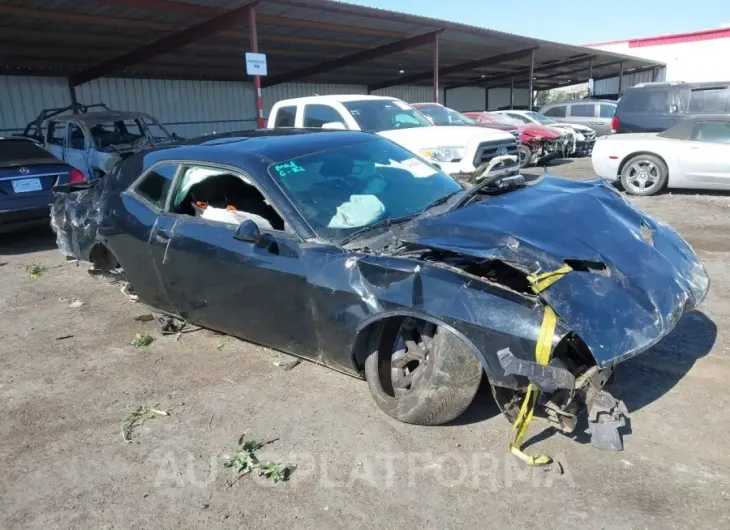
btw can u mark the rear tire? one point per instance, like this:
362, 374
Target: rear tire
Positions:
421, 373
644, 175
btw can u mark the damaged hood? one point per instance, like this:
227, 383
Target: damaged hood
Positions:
633, 276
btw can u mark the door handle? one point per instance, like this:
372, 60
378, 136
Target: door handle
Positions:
162, 236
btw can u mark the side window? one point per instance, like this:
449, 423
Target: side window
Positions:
555, 112
318, 115
717, 132
56, 133
709, 100
519, 117
607, 111
217, 194
583, 110
646, 101
75, 136
285, 117
155, 185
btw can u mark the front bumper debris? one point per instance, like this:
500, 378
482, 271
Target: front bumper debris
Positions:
566, 396
606, 415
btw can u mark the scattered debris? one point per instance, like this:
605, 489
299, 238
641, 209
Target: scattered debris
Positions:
64, 337
171, 325
76, 303
211, 420
3, 263
35, 270
128, 291
220, 345
142, 340
228, 380
147, 317
138, 417
286, 365
244, 461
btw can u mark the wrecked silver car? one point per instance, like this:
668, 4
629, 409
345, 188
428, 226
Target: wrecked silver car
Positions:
344, 248
93, 142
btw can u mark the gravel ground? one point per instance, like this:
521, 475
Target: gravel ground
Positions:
63, 400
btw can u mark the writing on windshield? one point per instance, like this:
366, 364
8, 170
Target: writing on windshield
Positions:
351, 187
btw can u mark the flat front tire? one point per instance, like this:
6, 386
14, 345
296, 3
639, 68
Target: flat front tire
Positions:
421, 373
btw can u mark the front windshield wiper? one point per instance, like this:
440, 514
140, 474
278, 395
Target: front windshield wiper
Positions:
441, 200
380, 224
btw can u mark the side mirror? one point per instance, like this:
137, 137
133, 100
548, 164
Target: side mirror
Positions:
334, 126
673, 108
248, 231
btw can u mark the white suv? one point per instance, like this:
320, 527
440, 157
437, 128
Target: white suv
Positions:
460, 151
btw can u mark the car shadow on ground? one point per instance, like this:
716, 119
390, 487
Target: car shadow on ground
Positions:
36, 239
648, 376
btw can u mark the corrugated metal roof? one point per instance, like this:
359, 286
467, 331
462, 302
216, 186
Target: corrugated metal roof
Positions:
293, 34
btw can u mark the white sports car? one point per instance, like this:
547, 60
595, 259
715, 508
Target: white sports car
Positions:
693, 154
580, 137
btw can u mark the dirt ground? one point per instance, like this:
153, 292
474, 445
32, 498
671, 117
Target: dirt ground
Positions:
63, 400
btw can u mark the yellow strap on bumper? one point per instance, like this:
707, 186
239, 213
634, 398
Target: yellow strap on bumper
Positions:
540, 282
521, 424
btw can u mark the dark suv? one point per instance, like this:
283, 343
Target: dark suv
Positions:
655, 107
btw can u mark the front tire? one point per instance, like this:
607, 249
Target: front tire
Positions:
525, 155
644, 175
421, 373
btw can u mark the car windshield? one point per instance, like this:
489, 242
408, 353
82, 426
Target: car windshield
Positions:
541, 118
157, 131
346, 189
503, 118
375, 115
445, 116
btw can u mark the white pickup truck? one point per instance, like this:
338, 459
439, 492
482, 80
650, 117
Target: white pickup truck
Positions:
460, 151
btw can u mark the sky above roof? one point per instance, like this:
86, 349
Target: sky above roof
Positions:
572, 23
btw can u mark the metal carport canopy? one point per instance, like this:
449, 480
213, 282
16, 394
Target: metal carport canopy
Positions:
304, 40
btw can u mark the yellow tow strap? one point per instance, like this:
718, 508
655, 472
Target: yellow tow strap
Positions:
538, 283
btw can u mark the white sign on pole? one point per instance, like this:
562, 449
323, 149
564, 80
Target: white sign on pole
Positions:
256, 64
590, 86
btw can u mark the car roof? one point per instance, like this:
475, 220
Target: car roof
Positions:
261, 146
577, 101
426, 104
102, 116
341, 98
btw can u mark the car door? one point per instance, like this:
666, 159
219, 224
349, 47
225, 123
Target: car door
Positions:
583, 114
705, 157
77, 149
131, 234
257, 291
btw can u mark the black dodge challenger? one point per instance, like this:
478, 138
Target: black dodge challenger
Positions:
346, 248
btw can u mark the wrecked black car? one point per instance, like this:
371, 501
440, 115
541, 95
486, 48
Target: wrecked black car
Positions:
344, 248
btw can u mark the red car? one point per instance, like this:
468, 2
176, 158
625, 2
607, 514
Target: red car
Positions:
538, 143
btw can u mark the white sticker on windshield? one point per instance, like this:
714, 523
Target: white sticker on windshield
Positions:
418, 168
401, 104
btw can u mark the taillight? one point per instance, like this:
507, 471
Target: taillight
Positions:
614, 124
75, 177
